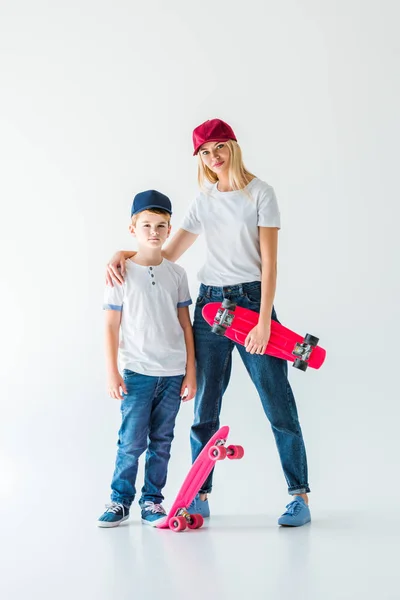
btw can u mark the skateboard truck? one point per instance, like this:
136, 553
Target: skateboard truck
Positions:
224, 318
303, 351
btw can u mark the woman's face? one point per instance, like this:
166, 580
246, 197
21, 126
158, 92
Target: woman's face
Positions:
216, 156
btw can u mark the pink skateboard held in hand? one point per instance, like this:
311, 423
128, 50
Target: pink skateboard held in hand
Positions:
178, 517
236, 322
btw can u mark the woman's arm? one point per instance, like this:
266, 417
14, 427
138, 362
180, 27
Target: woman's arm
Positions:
181, 241
258, 337
269, 252
178, 245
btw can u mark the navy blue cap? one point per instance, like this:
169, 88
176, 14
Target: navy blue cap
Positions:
150, 199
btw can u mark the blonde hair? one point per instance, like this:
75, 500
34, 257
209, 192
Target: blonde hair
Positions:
156, 211
239, 176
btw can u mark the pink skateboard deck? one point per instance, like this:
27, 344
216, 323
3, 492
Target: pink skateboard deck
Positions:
178, 517
236, 322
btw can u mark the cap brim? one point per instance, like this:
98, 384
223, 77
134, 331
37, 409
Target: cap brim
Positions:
217, 139
152, 206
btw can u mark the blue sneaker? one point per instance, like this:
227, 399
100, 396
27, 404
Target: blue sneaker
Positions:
199, 507
297, 513
152, 514
114, 515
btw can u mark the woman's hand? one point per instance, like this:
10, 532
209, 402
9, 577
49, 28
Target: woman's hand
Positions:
257, 339
116, 269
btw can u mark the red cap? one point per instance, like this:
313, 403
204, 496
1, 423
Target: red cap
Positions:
213, 130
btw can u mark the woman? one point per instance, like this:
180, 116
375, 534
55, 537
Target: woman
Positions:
239, 216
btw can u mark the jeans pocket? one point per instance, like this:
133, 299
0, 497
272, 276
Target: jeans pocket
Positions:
128, 377
128, 373
201, 300
253, 297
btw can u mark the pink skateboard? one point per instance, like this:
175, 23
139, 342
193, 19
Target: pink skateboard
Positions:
178, 517
236, 322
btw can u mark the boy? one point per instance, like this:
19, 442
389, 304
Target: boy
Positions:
157, 353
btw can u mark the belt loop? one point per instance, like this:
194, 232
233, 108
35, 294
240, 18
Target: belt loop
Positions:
208, 293
241, 290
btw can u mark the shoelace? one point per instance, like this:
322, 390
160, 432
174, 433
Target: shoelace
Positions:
154, 508
293, 507
114, 507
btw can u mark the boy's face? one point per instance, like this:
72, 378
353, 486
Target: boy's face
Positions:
151, 230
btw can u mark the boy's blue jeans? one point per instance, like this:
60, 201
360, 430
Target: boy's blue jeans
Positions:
269, 375
148, 412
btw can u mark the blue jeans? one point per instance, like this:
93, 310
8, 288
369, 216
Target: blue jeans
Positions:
269, 375
149, 411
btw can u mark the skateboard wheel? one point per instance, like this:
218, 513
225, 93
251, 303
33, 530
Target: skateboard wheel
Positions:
177, 523
196, 521
228, 304
217, 452
235, 452
311, 339
300, 364
218, 329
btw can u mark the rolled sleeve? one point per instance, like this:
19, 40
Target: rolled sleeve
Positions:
113, 297
184, 298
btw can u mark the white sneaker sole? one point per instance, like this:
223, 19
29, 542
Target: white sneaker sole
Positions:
108, 524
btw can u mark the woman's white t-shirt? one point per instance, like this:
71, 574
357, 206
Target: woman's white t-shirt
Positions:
230, 222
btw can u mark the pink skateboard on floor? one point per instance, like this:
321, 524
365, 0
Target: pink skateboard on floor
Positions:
178, 517
236, 322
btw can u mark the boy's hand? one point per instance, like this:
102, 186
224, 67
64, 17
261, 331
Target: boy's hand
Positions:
116, 269
188, 389
115, 384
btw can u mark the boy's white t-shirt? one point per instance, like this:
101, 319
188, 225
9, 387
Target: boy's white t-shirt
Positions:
230, 221
151, 338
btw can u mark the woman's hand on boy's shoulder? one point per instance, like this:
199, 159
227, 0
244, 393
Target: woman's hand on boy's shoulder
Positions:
115, 270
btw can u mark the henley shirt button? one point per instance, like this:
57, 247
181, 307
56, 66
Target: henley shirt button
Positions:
153, 282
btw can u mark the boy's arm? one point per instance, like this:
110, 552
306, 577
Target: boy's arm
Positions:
114, 379
189, 381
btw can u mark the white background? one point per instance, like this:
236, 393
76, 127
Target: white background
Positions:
98, 102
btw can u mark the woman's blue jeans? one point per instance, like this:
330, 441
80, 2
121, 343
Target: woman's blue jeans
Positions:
269, 375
